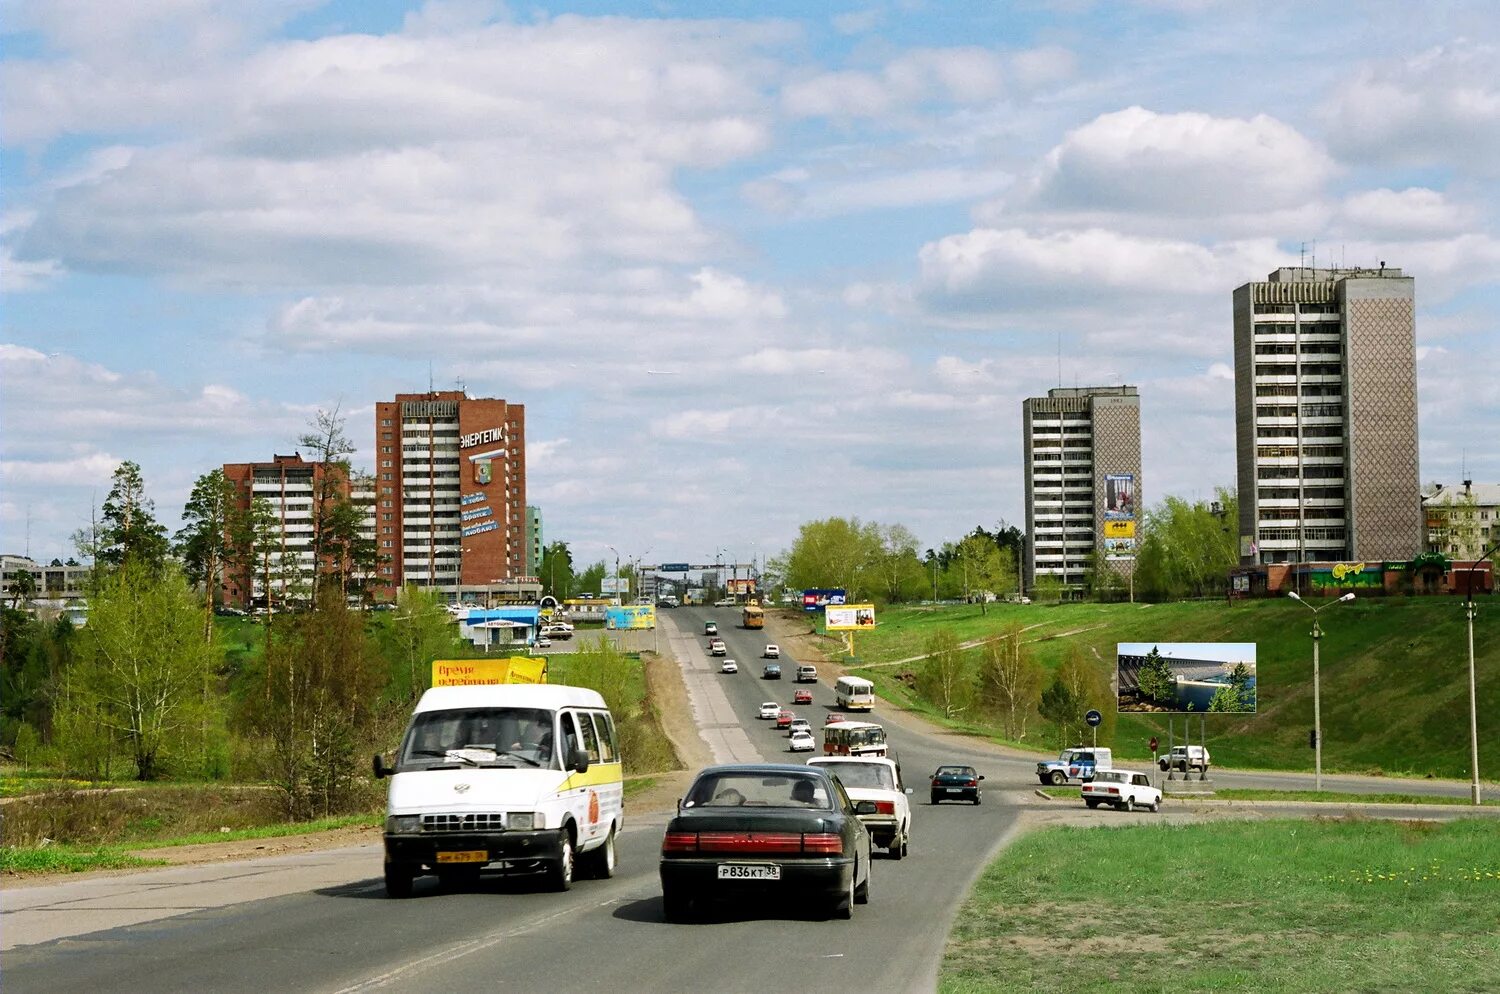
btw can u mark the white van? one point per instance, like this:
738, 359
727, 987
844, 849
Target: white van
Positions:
504, 777
854, 693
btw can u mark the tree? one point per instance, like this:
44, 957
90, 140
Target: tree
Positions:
1156, 682
1010, 682
421, 630
946, 678
142, 665
203, 541
988, 569
22, 588
130, 529
329, 445
835, 552
1061, 707
557, 570
900, 571
1186, 549
323, 679
592, 578
88, 542
1048, 587
353, 557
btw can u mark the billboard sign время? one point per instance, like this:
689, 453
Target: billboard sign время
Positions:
849, 617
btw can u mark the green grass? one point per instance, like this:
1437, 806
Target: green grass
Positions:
271, 831
1394, 675
1281, 906
30, 860
638, 785
1333, 797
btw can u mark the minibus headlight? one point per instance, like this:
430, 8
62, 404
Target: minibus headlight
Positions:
400, 824
522, 821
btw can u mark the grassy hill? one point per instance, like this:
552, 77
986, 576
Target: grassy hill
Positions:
1394, 675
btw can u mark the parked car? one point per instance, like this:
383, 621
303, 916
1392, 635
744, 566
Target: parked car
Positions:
770, 709
558, 631
807, 674
1124, 789
1077, 763
543, 642
773, 651
771, 672
956, 783
877, 779
779, 830
802, 697
1184, 758
784, 719
803, 741
729, 666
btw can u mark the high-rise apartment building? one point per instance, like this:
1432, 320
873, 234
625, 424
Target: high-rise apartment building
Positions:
286, 485
533, 540
450, 481
1326, 416
1082, 450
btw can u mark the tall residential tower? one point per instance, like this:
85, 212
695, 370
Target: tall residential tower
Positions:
1083, 476
1326, 416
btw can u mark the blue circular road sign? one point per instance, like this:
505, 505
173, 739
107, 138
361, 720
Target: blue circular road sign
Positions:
1093, 718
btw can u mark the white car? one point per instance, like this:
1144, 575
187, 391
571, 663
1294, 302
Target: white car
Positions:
724, 602
803, 741
729, 666
877, 779
799, 725
1125, 789
773, 651
770, 710
543, 642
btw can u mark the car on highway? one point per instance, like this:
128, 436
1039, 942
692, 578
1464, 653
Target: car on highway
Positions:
1184, 758
802, 697
784, 718
956, 783
833, 718
724, 602
770, 709
786, 832
878, 779
1123, 789
807, 674
1077, 763
709, 628
717, 647
729, 666
772, 671
802, 741
558, 631
799, 725
773, 651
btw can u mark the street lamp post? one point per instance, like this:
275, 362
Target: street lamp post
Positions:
1317, 636
1473, 705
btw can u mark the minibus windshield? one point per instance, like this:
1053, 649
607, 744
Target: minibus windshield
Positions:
492, 737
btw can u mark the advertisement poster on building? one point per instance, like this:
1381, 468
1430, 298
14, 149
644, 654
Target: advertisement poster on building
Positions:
482, 472
849, 617
1119, 496
1119, 529
1119, 548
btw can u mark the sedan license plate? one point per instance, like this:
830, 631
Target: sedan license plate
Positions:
749, 871
467, 856
954, 790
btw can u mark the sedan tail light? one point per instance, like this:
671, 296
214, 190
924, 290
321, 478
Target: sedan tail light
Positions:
827, 843
971, 783
885, 807
680, 842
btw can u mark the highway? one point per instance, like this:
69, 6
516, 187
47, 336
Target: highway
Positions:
321, 922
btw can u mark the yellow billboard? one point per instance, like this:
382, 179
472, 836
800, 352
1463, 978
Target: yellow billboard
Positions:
487, 672
848, 617
1119, 529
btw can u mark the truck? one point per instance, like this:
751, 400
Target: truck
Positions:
1077, 763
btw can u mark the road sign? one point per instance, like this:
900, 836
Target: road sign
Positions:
673, 568
1093, 718
1154, 743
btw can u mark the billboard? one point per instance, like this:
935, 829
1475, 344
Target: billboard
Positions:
849, 617
741, 586
630, 616
817, 597
485, 672
1119, 496
1345, 575
614, 585
1119, 529
1119, 548
1186, 677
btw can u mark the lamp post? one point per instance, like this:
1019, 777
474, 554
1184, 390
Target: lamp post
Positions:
1317, 635
1473, 706
615, 580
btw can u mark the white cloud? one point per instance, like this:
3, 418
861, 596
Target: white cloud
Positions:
1039, 68
94, 470
964, 75
1413, 212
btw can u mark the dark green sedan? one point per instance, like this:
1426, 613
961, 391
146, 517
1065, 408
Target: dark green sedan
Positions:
956, 783
765, 830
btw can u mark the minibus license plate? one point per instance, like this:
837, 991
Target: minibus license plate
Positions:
749, 871
468, 856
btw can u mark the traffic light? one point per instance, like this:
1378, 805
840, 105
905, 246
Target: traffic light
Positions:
1312, 738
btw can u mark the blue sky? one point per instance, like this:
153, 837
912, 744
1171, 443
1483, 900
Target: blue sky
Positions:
746, 264
1229, 652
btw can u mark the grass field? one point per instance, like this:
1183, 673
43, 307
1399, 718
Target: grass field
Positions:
1394, 674
1326, 905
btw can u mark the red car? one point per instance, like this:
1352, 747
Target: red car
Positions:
833, 718
802, 697
784, 719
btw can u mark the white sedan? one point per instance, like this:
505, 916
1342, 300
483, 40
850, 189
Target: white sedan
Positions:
770, 710
773, 651
729, 666
803, 742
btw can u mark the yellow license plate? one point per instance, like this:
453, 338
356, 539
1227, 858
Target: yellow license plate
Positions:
468, 856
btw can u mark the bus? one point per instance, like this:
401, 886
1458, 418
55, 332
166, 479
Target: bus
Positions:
855, 693
753, 617
854, 738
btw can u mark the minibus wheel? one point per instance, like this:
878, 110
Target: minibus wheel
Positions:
560, 872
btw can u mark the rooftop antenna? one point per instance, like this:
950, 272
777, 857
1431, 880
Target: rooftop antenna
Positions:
429, 376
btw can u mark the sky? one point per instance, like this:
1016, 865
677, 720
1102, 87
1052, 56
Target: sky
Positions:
746, 264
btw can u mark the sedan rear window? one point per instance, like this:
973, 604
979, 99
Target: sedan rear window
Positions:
747, 789
863, 775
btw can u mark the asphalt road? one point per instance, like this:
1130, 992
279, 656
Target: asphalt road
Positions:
321, 922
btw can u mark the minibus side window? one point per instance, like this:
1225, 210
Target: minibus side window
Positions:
570, 737
590, 740
606, 731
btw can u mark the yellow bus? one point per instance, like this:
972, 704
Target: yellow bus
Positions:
753, 617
